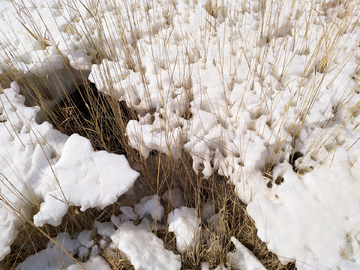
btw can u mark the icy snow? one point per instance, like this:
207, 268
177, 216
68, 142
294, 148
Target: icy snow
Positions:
85, 238
244, 87
128, 212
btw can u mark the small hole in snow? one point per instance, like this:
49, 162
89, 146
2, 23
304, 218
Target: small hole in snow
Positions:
53, 155
279, 180
294, 157
201, 167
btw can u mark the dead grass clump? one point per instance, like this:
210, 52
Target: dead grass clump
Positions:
95, 116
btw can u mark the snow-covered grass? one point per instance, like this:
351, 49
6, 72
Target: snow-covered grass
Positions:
173, 132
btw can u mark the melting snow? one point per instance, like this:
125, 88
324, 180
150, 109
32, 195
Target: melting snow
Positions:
186, 226
243, 101
144, 249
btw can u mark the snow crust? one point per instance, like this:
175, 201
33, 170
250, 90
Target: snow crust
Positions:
239, 100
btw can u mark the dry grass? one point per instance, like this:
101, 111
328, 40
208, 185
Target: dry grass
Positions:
103, 119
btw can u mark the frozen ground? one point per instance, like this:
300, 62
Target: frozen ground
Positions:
272, 90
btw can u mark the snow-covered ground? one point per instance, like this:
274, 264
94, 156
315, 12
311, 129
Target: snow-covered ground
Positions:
265, 93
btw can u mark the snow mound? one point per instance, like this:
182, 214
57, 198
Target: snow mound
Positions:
143, 248
186, 226
312, 209
83, 178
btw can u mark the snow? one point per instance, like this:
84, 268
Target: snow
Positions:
186, 226
242, 258
39, 163
208, 211
220, 267
54, 256
236, 92
94, 263
205, 266
316, 192
85, 178
150, 205
85, 238
27, 152
128, 212
106, 229
144, 249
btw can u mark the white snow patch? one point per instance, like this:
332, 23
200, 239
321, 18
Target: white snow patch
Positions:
312, 209
94, 263
53, 257
150, 205
186, 226
84, 178
143, 248
210, 96
242, 258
